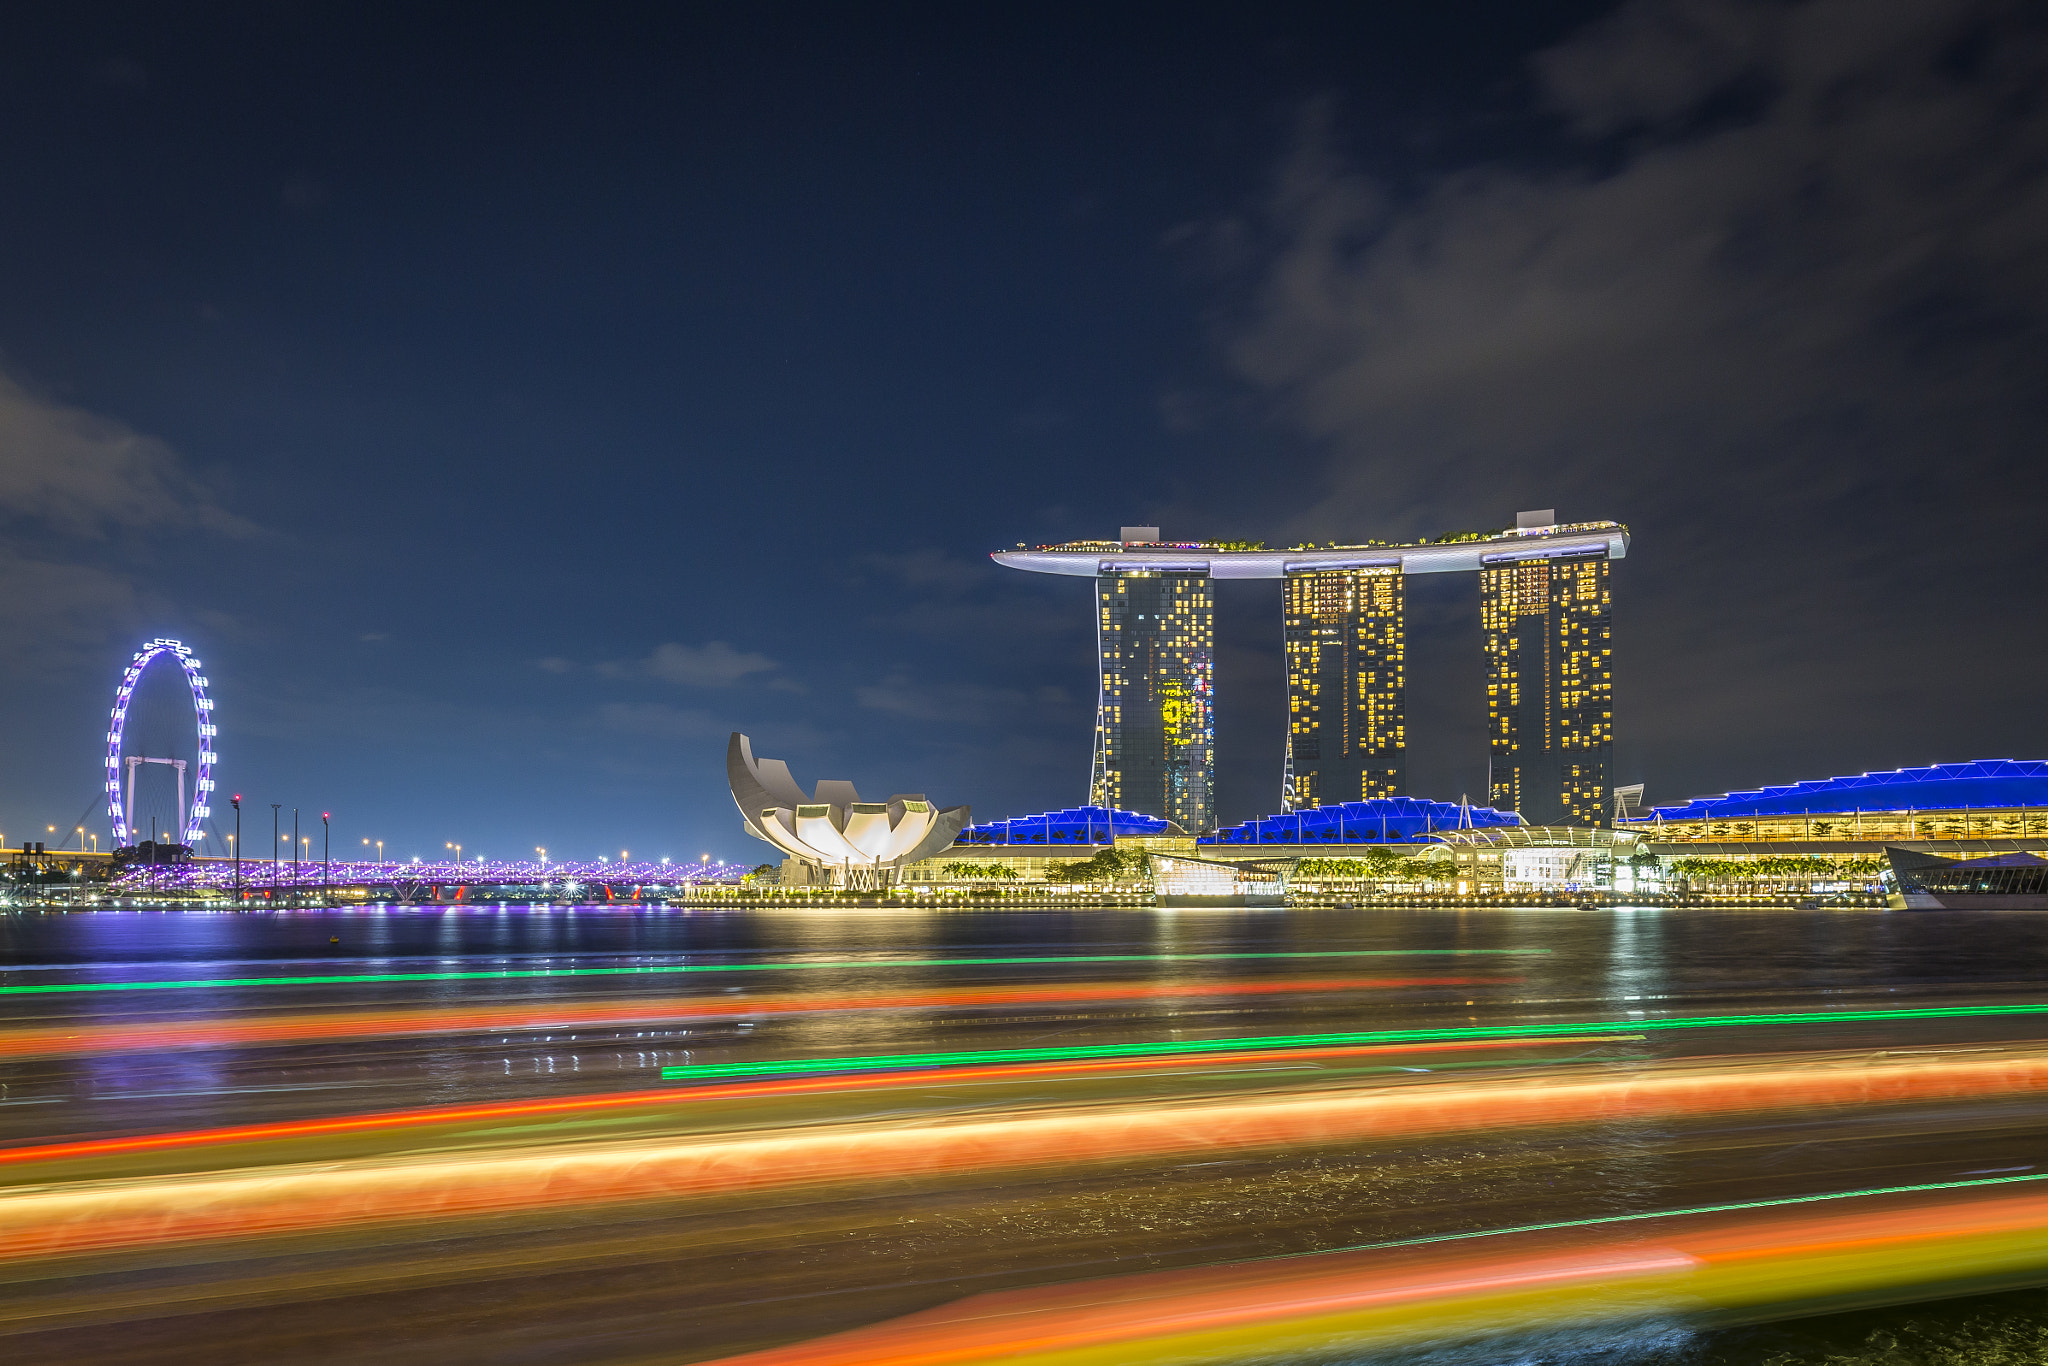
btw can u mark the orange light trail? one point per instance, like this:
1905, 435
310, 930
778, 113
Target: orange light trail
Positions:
672, 1097
72, 1039
57, 1220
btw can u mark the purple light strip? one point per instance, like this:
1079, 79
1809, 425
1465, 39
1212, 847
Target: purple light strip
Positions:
219, 873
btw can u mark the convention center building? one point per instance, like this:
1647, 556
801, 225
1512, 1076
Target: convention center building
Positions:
1985, 806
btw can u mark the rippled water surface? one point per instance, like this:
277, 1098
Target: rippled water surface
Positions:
146, 1054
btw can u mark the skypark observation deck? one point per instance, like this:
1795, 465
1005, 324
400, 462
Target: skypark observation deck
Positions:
1089, 559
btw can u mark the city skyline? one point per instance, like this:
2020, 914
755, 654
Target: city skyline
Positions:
504, 441
1023, 683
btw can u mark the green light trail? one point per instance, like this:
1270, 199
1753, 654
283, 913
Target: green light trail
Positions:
890, 1062
66, 988
1660, 1214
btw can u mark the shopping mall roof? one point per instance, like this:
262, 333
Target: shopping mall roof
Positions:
1221, 560
1383, 820
1987, 783
1074, 825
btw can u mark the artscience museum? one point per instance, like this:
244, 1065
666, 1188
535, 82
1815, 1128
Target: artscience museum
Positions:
838, 839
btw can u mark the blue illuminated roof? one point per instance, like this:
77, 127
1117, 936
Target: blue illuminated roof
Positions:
1384, 820
1075, 825
1939, 787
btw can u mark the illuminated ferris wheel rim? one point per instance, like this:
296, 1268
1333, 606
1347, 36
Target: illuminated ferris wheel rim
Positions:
202, 711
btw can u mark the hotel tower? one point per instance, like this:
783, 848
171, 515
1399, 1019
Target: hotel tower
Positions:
1347, 720
1155, 725
1549, 687
1545, 597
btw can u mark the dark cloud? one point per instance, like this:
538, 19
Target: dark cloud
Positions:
89, 506
714, 664
657, 719
81, 474
966, 704
1781, 309
69, 609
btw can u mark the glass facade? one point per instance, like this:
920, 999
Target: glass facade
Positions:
2008, 875
1347, 723
1549, 686
1155, 729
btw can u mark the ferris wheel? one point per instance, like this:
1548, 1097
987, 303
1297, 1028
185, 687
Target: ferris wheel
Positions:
120, 798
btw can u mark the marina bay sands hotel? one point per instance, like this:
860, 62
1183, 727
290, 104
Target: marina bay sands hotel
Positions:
1544, 611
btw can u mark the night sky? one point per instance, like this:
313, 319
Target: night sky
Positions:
509, 404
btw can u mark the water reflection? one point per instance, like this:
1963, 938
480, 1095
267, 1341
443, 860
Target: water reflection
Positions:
321, 1161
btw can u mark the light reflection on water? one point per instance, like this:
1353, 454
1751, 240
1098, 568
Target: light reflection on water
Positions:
830, 1262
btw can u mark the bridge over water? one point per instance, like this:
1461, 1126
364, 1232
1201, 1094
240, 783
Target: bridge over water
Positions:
443, 881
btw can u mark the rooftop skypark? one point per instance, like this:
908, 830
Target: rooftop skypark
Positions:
1454, 552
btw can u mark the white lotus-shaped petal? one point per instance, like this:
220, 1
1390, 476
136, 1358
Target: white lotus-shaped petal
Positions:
867, 829
815, 827
778, 827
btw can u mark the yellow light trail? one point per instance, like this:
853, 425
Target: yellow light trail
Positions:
52, 1221
1675, 1263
